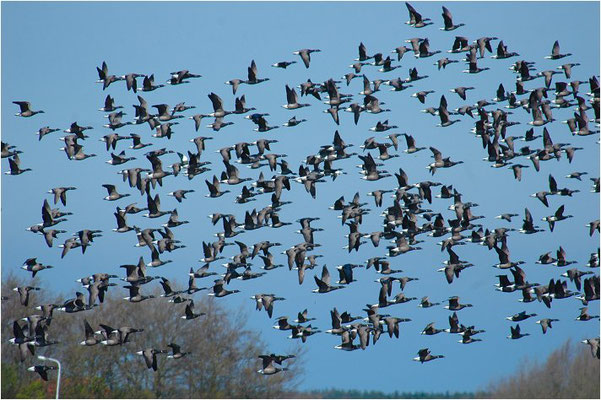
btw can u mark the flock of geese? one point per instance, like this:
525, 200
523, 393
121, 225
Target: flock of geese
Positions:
407, 220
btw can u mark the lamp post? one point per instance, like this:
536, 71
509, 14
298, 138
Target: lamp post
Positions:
58, 378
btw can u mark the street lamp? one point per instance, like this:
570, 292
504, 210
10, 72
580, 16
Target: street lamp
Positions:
58, 378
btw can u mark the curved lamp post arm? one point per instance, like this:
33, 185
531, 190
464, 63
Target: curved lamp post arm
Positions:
58, 378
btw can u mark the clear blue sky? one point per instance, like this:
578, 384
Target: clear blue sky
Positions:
50, 51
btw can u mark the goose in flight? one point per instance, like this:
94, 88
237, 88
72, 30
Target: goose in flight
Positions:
415, 19
424, 355
305, 55
448, 20
25, 109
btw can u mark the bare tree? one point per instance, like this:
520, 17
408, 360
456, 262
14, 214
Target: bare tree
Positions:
222, 359
568, 372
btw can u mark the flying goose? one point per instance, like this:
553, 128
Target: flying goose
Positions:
567, 69
150, 357
503, 254
111, 140
220, 291
430, 330
240, 106
302, 332
424, 356
323, 284
42, 370
124, 333
387, 64
155, 259
50, 235
179, 77
444, 115
33, 266
14, 164
252, 75
461, 90
115, 121
454, 326
545, 323
90, 336
460, 45
268, 361
555, 52
502, 52
520, 316
24, 293
148, 84
25, 109
448, 21
130, 81
218, 111
283, 64
515, 332
426, 303
137, 142
466, 337
112, 193
266, 300
305, 55
105, 78
176, 352
174, 220
189, 311
136, 274
400, 51
282, 324
584, 315
558, 216
43, 131
7, 150
292, 99
110, 335
154, 207
443, 62
382, 127
440, 162
347, 341
574, 274
97, 290
424, 49
134, 294
117, 159
262, 125
21, 339
363, 53
528, 225
415, 18
454, 304
474, 69
421, 96
561, 258
594, 345
180, 194
293, 122
168, 291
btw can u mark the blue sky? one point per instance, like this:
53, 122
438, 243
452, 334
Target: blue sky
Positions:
50, 51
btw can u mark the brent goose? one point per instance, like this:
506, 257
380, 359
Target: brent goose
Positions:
448, 21
424, 356
305, 55
150, 357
